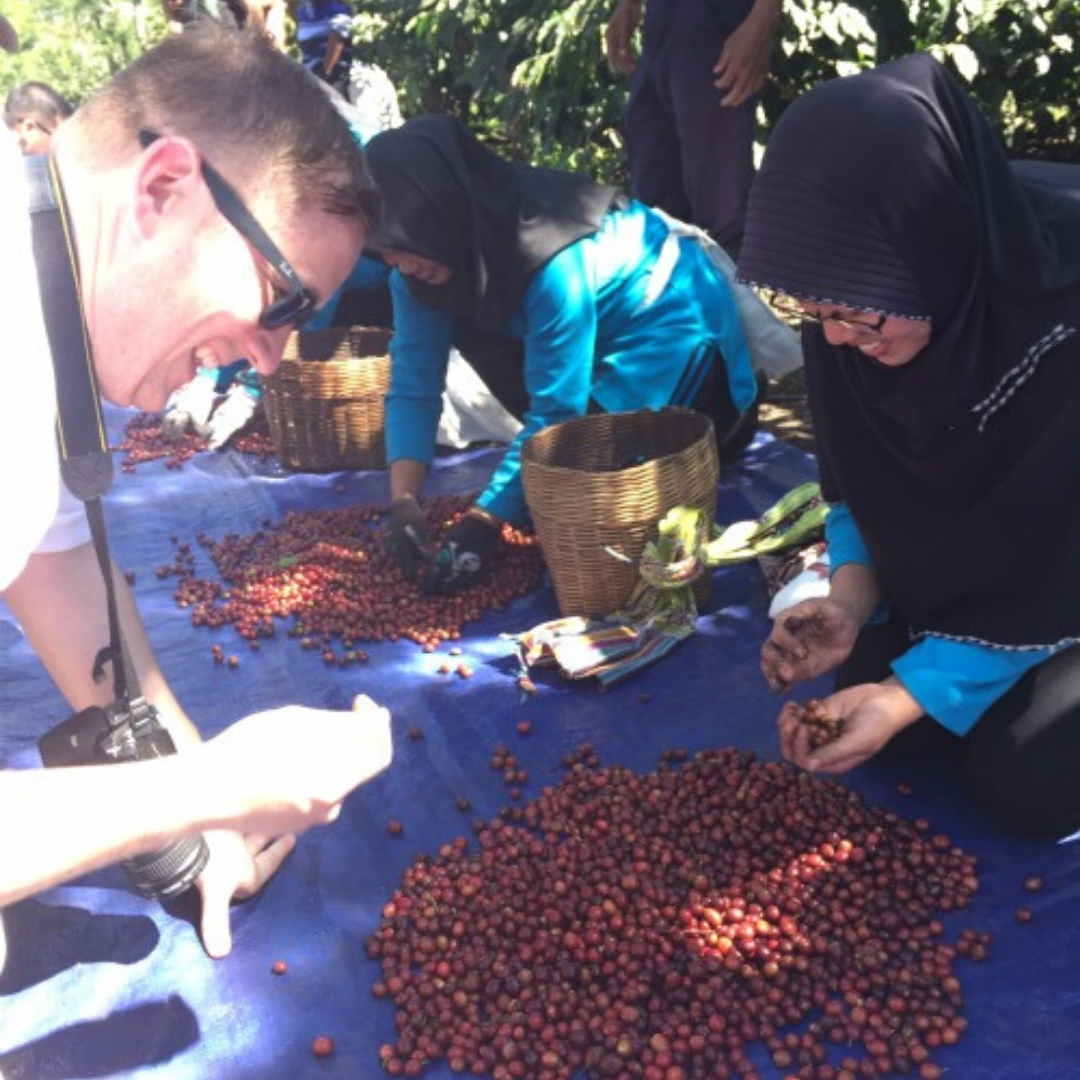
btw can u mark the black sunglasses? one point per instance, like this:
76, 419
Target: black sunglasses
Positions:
297, 305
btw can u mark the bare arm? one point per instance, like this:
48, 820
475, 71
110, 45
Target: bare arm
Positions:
257, 777
619, 36
78, 819
274, 772
335, 45
59, 600
855, 587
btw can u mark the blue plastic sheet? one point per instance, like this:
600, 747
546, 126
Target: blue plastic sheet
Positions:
103, 983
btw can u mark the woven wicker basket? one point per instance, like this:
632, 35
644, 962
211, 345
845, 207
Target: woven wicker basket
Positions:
325, 403
605, 481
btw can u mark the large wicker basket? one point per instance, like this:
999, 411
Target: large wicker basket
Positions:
325, 403
605, 481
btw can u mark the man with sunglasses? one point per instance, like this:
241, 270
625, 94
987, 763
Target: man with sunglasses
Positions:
192, 243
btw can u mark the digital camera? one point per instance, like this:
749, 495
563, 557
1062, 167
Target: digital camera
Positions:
122, 732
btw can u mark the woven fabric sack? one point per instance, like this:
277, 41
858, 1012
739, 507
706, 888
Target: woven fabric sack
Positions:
603, 482
325, 404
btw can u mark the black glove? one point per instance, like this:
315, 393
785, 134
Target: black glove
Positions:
467, 551
409, 545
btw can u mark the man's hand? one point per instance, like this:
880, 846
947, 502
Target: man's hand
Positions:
807, 640
239, 866
872, 714
281, 771
467, 551
619, 37
743, 63
287, 769
409, 545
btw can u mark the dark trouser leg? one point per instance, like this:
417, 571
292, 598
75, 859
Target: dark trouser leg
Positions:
1024, 753
717, 145
688, 154
652, 143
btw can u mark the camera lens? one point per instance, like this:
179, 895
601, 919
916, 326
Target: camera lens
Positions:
169, 870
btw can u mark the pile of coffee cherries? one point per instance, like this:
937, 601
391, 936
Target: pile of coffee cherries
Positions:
657, 927
144, 442
328, 572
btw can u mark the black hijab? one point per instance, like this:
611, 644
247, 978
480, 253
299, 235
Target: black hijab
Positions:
888, 192
448, 198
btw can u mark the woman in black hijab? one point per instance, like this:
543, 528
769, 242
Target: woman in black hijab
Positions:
612, 305
940, 290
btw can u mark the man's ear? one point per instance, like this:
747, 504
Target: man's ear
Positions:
168, 186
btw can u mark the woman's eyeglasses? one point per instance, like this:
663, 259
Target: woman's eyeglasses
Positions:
788, 305
296, 305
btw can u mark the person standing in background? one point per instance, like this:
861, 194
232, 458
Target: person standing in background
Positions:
33, 111
323, 32
693, 96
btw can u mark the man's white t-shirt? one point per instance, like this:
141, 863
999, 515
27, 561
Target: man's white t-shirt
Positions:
39, 514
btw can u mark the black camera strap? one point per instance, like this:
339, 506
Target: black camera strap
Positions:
85, 461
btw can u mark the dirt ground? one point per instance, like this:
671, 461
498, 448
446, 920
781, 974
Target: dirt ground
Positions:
785, 414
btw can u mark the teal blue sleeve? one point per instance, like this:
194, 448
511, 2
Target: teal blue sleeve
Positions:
419, 354
955, 682
557, 321
845, 542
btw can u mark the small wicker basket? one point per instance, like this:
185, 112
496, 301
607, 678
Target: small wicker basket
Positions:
605, 481
325, 403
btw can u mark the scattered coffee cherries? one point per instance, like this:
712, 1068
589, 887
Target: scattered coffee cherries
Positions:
329, 573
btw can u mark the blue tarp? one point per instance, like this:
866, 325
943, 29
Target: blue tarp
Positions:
103, 983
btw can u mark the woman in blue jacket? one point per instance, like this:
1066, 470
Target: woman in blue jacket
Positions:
939, 285
615, 306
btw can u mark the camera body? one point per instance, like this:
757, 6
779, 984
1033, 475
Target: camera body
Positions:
128, 731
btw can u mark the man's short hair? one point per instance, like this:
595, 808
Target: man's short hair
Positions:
39, 102
256, 114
